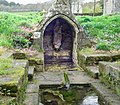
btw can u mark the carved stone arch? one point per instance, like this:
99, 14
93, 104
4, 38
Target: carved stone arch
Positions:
75, 31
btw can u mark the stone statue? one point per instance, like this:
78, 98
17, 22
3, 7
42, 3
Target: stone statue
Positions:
57, 40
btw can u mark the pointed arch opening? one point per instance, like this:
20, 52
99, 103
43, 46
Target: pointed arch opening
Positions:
58, 40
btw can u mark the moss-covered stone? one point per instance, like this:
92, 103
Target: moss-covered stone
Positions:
115, 57
19, 55
14, 83
35, 61
110, 75
6, 100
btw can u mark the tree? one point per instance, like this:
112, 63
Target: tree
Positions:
94, 7
12, 4
4, 2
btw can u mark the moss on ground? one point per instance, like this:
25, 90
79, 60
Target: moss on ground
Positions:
2, 50
4, 65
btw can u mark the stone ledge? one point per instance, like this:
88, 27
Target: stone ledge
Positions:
13, 83
110, 68
93, 71
110, 75
107, 97
94, 59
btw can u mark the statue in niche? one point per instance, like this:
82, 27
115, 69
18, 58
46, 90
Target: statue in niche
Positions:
57, 39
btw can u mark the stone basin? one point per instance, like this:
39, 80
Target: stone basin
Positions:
76, 95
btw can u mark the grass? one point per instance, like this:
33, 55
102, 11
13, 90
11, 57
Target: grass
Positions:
11, 23
106, 29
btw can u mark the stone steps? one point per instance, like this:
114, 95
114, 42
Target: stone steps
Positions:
31, 72
14, 84
93, 71
94, 59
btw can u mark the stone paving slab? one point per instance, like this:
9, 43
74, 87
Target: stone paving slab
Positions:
75, 77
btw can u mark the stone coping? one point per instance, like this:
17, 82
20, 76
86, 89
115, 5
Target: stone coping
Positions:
92, 59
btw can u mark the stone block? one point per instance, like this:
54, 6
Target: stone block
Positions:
39, 68
106, 96
93, 59
110, 75
19, 55
93, 71
35, 61
32, 88
115, 57
6, 100
14, 82
31, 99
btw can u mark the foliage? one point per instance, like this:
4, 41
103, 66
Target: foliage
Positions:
106, 29
88, 7
4, 2
11, 23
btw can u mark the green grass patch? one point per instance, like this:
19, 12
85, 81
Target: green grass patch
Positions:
106, 29
11, 23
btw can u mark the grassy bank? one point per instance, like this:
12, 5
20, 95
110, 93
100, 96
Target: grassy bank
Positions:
104, 29
11, 25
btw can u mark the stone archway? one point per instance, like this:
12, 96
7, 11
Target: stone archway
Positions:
58, 40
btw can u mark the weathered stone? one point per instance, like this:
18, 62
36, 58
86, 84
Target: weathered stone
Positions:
110, 75
93, 59
93, 71
6, 100
32, 88
14, 83
110, 68
31, 72
21, 63
31, 99
39, 68
115, 57
106, 96
6, 55
19, 55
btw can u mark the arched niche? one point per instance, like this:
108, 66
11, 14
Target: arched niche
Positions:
65, 39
